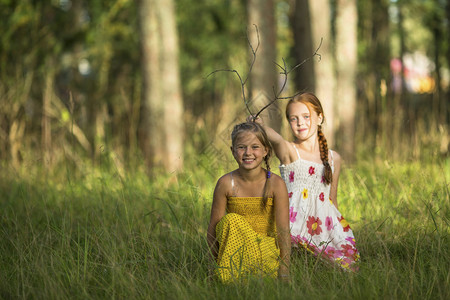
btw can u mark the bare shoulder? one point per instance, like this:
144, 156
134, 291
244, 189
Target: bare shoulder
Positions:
278, 183
276, 179
224, 179
223, 185
336, 158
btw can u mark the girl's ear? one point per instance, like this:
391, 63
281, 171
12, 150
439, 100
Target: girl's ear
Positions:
320, 119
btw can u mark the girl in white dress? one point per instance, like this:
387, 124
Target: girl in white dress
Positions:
311, 172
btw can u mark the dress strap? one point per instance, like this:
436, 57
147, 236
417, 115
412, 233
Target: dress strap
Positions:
296, 150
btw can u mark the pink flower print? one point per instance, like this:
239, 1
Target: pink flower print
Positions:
322, 180
300, 240
290, 194
332, 252
351, 240
345, 262
329, 223
349, 251
296, 239
312, 171
292, 214
322, 197
305, 240
291, 176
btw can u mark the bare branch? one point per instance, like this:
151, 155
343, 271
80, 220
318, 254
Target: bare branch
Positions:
243, 82
240, 80
314, 54
253, 52
285, 72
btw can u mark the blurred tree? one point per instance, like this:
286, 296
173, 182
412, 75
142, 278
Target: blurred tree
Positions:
162, 124
312, 25
263, 77
374, 68
435, 21
216, 40
303, 45
34, 36
446, 100
346, 67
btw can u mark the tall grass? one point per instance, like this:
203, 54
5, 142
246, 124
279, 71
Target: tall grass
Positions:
98, 234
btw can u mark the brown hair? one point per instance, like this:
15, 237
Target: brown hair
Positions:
260, 133
312, 102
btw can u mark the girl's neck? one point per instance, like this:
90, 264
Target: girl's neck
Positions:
310, 145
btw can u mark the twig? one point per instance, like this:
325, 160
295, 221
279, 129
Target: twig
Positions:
284, 71
243, 82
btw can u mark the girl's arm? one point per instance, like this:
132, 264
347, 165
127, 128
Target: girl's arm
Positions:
218, 209
280, 145
282, 222
335, 181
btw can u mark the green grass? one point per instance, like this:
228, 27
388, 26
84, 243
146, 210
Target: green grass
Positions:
93, 233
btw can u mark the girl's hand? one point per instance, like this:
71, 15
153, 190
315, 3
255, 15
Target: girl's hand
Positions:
257, 120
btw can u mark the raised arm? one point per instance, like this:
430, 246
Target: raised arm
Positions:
280, 145
218, 209
282, 222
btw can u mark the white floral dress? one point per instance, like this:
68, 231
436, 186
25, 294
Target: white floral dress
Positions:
316, 224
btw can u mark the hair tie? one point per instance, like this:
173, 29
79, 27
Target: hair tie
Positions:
268, 174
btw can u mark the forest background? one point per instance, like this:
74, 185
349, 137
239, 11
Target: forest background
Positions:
112, 136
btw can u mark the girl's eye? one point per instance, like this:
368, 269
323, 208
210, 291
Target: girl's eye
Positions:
306, 117
255, 147
293, 119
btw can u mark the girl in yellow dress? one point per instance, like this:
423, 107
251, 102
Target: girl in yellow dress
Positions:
248, 233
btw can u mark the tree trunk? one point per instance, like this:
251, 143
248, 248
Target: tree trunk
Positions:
303, 46
46, 124
346, 66
162, 126
375, 69
311, 25
445, 107
323, 69
380, 57
263, 77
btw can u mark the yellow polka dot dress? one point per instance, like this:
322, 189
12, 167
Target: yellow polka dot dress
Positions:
246, 236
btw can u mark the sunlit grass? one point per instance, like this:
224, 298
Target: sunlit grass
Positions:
91, 234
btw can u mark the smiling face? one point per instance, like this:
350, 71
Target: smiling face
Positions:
248, 151
303, 121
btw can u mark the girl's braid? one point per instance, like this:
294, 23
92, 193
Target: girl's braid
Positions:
267, 183
266, 160
323, 146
